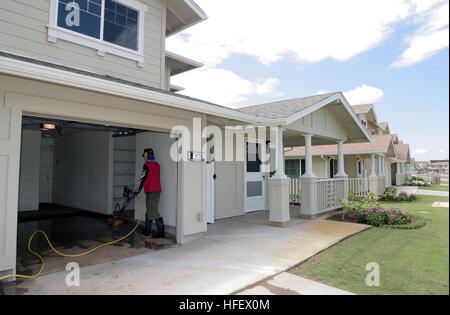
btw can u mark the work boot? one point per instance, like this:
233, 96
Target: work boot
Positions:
148, 227
160, 227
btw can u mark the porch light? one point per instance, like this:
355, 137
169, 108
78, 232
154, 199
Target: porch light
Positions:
45, 127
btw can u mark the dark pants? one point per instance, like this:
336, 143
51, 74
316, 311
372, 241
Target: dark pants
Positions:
152, 205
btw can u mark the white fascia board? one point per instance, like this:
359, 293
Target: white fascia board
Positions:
62, 77
317, 106
184, 60
196, 8
353, 115
176, 88
197, 11
345, 153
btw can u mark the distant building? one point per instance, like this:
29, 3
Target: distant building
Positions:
439, 166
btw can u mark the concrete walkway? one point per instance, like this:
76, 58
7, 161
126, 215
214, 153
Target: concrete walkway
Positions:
234, 254
289, 284
417, 191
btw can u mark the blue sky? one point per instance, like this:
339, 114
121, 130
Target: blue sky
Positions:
397, 60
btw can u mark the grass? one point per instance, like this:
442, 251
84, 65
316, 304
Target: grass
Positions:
411, 261
435, 187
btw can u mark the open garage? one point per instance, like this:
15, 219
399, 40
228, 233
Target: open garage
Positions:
72, 181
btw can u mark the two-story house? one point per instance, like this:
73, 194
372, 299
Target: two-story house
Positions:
85, 88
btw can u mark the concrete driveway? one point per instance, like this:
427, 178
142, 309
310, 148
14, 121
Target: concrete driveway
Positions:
233, 255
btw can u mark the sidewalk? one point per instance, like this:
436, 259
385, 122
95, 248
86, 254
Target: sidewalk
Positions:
417, 191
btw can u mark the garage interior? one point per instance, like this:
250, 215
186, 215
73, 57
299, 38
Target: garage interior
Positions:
72, 178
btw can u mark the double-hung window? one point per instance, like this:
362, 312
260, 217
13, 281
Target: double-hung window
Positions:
110, 26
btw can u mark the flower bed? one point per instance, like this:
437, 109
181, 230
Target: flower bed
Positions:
378, 216
390, 194
368, 211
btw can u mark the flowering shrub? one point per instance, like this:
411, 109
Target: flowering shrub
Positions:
420, 183
390, 194
367, 203
406, 197
377, 216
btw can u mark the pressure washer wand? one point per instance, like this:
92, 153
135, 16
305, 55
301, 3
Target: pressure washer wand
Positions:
129, 195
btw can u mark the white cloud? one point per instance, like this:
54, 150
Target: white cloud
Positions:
224, 87
420, 151
309, 31
322, 92
432, 36
364, 94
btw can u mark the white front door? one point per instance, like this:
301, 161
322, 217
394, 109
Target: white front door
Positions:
254, 179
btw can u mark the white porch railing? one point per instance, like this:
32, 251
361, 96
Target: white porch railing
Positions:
330, 192
295, 191
359, 186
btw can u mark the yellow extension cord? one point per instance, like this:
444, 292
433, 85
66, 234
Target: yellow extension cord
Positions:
67, 255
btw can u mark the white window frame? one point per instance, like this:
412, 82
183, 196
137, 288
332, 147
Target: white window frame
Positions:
55, 32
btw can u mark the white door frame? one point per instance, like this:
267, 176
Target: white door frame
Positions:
256, 203
210, 197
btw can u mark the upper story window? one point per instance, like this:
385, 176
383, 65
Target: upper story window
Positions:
110, 26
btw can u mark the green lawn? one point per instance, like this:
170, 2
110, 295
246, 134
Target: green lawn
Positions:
411, 262
435, 187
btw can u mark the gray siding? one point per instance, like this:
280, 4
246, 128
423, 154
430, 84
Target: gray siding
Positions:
23, 30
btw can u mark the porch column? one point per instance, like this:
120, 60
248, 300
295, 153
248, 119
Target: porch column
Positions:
309, 184
341, 169
399, 179
308, 157
373, 187
380, 166
279, 188
373, 168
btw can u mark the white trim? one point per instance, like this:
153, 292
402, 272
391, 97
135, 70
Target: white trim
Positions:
55, 32
335, 97
195, 8
44, 73
183, 59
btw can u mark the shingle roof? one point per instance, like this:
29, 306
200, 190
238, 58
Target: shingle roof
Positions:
362, 108
380, 143
284, 109
402, 151
383, 125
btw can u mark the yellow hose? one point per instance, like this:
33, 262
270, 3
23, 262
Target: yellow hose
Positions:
67, 255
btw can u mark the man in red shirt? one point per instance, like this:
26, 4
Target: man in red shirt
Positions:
151, 183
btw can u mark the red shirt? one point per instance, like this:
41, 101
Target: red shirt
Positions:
152, 182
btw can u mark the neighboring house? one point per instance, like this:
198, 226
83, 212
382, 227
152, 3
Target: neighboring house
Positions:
369, 166
439, 166
85, 88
